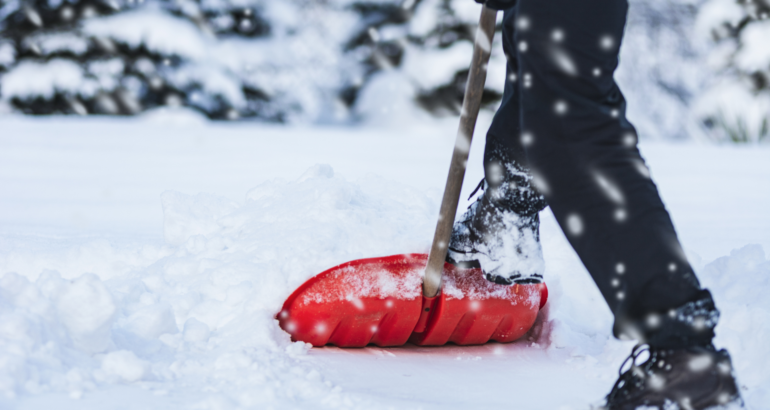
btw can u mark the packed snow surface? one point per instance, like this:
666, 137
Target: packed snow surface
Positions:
142, 263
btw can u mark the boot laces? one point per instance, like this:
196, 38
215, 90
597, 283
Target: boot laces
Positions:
479, 186
633, 378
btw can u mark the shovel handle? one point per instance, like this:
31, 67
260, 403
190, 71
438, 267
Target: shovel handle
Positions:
454, 183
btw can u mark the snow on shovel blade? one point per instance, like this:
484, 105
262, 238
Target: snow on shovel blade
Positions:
379, 301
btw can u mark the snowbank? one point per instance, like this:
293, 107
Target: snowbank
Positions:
205, 308
740, 283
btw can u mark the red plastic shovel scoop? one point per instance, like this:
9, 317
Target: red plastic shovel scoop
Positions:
380, 301
418, 298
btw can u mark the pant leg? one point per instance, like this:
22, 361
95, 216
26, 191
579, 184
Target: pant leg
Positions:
583, 153
505, 160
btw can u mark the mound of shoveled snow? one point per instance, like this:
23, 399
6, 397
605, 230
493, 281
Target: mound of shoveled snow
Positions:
740, 283
202, 312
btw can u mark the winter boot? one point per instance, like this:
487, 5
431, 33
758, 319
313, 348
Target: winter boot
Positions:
690, 378
499, 233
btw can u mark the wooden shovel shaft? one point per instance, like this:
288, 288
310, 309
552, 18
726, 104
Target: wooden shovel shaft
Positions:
454, 183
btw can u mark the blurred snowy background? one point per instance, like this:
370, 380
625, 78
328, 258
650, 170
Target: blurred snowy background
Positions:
691, 69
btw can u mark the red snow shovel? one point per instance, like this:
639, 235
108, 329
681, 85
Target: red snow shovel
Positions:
388, 301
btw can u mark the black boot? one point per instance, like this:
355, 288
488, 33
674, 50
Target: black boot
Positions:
690, 378
500, 234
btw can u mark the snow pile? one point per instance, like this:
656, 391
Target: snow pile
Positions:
577, 320
185, 216
78, 336
204, 309
740, 283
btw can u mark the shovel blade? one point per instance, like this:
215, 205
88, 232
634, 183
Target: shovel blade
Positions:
379, 301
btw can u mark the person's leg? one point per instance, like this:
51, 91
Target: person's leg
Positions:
505, 160
583, 153
500, 231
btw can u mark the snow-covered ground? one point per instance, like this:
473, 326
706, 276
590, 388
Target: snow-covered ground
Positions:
141, 264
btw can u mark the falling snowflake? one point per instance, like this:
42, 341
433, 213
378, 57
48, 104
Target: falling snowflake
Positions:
700, 363
67, 13
374, 34
560, 107
540, 183
494, 174
629, 139
527, 80
564, 62
641, 168
606, 42
610, 189
523, 23
574, 224
653, 320
656, 382
620, 268
527, 139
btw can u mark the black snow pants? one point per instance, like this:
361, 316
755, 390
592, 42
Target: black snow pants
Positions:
563, 119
